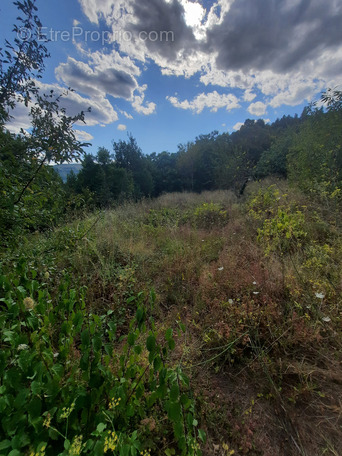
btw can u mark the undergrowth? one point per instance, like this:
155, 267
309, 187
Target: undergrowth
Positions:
241, 337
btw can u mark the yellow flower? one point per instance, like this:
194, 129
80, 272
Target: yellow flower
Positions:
110, 441
47, 421
114, 403
66, 411
41, 452
76, 446
146, 452
29, 303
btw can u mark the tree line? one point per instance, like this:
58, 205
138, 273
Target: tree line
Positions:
305, 149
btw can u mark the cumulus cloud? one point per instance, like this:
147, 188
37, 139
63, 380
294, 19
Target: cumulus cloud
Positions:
257, 109
138, 102
82, 135
20, 119
276, 36
211, 100
122, 127
237, 126
127, 115
286, 51
102, 112
248, 95
96, 82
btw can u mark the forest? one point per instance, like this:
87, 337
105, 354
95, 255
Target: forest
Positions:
171, 303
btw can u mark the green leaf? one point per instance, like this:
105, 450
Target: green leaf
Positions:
174, 412
5, 444
66, 444
174, 393
171, 344
168, 334
85, 338
131, 339
14, 453
101, 427
202, 435
151, 343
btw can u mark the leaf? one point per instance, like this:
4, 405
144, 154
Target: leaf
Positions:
5, 444
151, 343
85, 338
172, 344
174, 412
174, 393
14, 453
131, 339
168, 334
101, 427
202, 435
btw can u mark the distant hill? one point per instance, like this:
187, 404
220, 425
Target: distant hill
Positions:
65, 169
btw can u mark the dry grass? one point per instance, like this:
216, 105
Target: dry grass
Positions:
263, 351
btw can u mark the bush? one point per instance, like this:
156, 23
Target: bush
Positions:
66, 387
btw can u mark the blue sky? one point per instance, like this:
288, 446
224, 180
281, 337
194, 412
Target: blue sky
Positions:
169, 70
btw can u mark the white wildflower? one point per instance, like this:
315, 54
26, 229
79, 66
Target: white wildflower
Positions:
22, 347
320, 295
220, 269
326, 319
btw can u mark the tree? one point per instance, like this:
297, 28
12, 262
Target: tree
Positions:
129, 156
21, 61
52, 137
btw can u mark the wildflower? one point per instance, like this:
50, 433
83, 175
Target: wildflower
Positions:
326, 319
220, 269
110, 441
114, 403
146, 452
256, 292
41, 451
46, 275
230, 301
22, 347
47, 421
76, 446
254, 283
29, 303
66, 411
320, 295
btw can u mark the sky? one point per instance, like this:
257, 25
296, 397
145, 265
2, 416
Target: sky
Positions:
167, 71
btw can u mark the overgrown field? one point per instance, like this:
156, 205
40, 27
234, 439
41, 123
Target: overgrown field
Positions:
190, 323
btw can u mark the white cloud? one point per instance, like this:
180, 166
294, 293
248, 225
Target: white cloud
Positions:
126, 114
211, 100
237, 126
138, 102
102, 112
82, 135
97, 81
248, 95
122, 127
229, 44
20, 119
257, 109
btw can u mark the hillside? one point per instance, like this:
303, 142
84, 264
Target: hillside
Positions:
245, 295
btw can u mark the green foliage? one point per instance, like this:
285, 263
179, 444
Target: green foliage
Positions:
209, 215
66, 388
21, 61
283, 224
